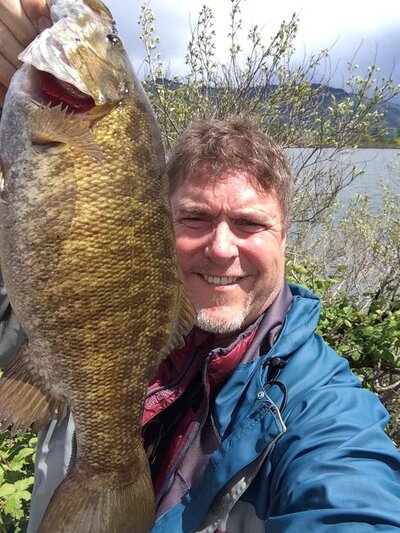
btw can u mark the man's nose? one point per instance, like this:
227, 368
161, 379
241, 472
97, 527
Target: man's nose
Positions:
222, 244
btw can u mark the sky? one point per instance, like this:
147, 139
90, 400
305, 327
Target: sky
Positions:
345, 26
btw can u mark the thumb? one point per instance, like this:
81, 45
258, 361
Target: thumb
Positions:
38, 13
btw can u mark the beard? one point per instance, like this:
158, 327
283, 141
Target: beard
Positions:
219, 325
238, 319
223, 325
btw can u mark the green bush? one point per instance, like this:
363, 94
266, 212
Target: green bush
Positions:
16, 480
368, 336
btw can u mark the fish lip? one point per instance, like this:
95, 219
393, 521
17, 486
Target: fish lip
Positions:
58, 64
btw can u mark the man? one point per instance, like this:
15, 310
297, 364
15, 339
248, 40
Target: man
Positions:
255, 424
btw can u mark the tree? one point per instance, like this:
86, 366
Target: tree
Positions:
264, 81
352, 263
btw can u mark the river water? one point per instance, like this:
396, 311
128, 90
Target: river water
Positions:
373, 166
378, 164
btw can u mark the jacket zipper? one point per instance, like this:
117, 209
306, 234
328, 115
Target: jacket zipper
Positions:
195, 432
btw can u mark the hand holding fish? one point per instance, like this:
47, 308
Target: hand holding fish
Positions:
20, 22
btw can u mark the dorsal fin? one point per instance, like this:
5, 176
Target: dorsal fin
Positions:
184, 320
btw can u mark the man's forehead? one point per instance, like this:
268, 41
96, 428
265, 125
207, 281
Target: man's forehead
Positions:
235, 197
205, 174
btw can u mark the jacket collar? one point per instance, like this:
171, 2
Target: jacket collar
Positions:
179, 368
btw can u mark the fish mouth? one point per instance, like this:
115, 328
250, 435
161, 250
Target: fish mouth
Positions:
78, 64
56, 93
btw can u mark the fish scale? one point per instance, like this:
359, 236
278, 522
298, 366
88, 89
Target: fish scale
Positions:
88, 258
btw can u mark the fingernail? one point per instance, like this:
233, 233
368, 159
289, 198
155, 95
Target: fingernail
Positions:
43, 23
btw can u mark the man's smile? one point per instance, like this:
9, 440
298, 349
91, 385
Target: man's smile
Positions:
221, 280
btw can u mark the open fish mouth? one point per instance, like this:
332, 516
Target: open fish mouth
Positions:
58, 78
55, 93
81, 65
59, 113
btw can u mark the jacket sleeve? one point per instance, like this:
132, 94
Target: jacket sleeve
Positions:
335, 467
11, 333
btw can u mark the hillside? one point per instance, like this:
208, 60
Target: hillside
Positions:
325, 93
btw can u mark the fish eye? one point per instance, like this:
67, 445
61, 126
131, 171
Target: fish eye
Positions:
113, 39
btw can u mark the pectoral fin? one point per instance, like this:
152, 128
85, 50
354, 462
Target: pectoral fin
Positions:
53, 124
24, 400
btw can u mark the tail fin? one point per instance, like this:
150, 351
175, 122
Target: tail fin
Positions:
89, 501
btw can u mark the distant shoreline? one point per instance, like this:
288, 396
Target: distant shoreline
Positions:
365, 145
380, 145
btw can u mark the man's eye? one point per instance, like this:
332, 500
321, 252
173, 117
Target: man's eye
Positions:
250, 226
194, 222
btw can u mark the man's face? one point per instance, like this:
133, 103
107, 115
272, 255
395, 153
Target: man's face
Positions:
230, 243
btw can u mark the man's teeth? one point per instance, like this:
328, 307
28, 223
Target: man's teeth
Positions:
216, 280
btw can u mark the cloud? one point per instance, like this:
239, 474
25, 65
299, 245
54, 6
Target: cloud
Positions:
345, 27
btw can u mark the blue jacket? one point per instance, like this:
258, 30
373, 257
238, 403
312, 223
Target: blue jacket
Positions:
302, 449
304, 452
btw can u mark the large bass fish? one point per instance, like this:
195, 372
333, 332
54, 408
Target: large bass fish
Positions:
88, 259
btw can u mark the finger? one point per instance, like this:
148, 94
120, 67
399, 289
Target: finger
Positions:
18, 23
6, 71
9, 47
3, 91
37, 11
